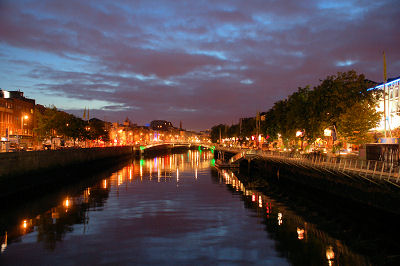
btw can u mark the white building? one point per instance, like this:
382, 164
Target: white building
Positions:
392, 104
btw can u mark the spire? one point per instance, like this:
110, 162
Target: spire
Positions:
384, 68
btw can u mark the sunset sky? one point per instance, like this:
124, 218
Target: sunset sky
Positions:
201, 62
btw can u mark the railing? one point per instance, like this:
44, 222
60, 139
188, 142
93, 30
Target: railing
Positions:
238, 156
367, 169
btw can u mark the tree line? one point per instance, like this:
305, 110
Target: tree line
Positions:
51, 122
341, 103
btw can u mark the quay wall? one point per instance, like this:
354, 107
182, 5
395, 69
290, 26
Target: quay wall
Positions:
379, 194
21, 163
318, 180
30, 174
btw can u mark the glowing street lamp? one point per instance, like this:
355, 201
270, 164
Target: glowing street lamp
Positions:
24, 117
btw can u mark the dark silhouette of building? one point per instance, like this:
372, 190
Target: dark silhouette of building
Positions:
160, 125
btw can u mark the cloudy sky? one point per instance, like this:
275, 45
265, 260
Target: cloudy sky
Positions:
201, 62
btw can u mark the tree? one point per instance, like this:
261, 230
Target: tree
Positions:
337, 93
333, 103
217, 132
46, 123
75, 128
270, 126
355, 122
97, 130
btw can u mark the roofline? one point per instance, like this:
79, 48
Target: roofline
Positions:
386, 84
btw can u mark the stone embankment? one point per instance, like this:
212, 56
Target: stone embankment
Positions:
25, 175
21, 163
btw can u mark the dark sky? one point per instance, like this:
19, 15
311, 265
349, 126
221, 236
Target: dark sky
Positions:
203, 62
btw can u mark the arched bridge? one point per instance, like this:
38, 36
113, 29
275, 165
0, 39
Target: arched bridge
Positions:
176, 145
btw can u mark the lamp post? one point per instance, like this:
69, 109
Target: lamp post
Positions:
22, 122
24, 117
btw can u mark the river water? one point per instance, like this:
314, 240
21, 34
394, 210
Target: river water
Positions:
173, 209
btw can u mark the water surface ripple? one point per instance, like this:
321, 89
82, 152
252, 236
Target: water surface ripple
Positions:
173, 209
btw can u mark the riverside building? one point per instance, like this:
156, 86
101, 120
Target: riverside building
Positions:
392, 102
16, 119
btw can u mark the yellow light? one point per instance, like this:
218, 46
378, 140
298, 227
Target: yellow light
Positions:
4, 244
25, 224
67, 203
327, 132
330, 254
120, 181
280, 218
300, 233
26, 117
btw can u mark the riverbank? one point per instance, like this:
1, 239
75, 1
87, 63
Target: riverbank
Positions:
21, 163
379, 194
364, 229
25, 173
22, 174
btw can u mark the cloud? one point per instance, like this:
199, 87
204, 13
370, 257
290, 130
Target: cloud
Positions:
202, 62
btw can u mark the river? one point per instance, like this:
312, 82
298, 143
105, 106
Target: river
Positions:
172, 209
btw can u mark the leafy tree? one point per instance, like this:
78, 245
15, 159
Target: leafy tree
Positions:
248, 127
337, 93
75, 128
217, 131
233, 131
333, 103
97, 130
52, 122
47, 123
270, 126
355, 122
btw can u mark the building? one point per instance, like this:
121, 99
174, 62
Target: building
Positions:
392, 88
16, 118
160, 125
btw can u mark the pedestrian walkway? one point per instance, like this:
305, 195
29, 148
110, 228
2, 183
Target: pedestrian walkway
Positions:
369, 170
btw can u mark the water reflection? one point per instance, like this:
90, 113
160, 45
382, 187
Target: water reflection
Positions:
140, 206
301, 242
52, 226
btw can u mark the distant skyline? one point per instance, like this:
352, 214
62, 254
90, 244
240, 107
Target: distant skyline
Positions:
199, 62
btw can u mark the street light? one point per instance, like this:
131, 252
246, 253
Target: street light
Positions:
26, 117
22, 122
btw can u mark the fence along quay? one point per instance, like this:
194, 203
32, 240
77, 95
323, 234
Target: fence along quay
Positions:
370, 170
376, 183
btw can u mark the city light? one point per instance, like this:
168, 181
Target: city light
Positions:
330, 254
300, 233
